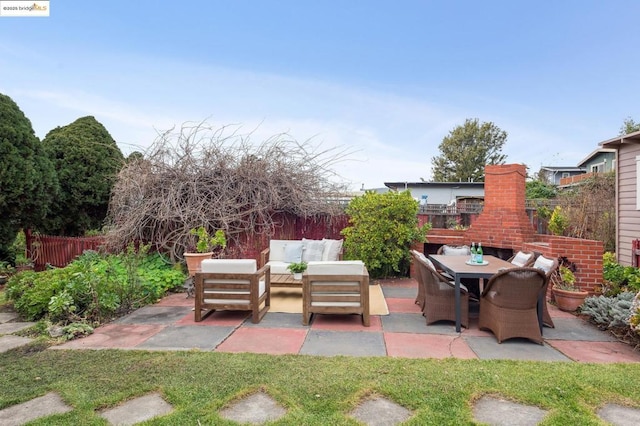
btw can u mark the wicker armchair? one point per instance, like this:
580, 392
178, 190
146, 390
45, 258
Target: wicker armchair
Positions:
548, 266
439, 295
415, 255
508, 305
523, 258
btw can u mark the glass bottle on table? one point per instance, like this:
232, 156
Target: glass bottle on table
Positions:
479, 254
473, 253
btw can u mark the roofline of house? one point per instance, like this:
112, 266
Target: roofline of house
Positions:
619, 140
563, 168
593, 154
433, 184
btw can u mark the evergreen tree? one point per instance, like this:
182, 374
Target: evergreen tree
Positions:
27, 178
466, 150
87, 160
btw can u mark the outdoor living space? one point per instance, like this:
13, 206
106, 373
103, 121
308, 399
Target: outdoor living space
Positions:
169, 325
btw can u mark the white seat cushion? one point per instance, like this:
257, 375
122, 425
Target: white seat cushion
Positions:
338, 267
456, 251
543, 263
278, 267
222, 266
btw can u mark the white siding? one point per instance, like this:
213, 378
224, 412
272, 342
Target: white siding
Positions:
628, 173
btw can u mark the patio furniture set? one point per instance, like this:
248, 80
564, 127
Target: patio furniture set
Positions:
329, 285
512, 303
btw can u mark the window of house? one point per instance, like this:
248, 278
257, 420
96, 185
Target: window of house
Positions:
566, 174
597, 168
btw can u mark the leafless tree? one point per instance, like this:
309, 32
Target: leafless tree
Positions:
199, 175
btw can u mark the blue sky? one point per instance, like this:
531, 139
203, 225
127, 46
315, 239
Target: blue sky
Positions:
387, 80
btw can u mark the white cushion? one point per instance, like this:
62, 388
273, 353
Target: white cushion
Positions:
338, 267
293, 252
332, 249
542, 263
521, 258
312, 250
276, 249
242, 266
456, 251
278, 267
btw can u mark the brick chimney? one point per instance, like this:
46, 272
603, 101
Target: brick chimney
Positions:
503, 221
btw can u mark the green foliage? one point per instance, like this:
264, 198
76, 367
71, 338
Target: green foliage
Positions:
28, 181
297, 267
629, 126
618, 278
536, 189
609, 311
466, 151
87, 161
567, 279
382, 229
206, 243
94, 287
558, 222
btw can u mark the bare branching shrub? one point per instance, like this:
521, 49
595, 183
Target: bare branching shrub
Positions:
217, 178
590, 209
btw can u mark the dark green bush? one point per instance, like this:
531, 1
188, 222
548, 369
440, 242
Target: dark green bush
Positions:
94, 287
618, 278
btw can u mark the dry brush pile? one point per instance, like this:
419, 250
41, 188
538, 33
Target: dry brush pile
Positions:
217, 178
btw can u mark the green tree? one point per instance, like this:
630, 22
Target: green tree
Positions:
87, 160
27, 178
382, 228
536, 189
629, 126
466, 150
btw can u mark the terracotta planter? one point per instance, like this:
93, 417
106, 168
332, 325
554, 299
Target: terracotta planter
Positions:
569, 301
193, 261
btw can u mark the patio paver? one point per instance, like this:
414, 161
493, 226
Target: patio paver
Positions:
408, 345
349, 343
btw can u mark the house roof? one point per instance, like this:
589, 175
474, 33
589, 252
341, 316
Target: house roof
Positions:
563, 168
396, 185
620, 140
593, 154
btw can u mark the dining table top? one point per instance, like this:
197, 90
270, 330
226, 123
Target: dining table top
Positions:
460, 265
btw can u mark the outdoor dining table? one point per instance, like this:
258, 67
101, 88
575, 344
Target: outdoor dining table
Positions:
459, 267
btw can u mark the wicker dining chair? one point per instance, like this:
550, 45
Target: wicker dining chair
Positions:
508, 305
415, 255
439, 303
548, 266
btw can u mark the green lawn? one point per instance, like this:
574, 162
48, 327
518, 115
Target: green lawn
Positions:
315, 390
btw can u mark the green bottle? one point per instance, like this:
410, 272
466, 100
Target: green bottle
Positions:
479, 253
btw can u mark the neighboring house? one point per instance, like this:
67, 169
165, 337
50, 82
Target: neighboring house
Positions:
553, 174
627, 162
443, 193
601, 160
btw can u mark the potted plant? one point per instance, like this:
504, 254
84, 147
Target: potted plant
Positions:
297, 268
204, 247
568, 297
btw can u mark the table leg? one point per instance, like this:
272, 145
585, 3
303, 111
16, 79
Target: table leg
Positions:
458, 308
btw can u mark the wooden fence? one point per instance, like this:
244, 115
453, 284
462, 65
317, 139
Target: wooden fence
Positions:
59, 251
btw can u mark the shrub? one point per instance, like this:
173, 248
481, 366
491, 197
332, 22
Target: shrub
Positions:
382, 229
618, 278
94, 287
609, 311
558, 222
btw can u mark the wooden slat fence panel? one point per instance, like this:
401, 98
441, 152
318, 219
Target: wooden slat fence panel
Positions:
60, 251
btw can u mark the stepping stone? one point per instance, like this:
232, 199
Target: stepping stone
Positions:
254, 409
7, 316
619, 415
10, 341
498, 412
12, 327
43, 406
380, 412
137, 410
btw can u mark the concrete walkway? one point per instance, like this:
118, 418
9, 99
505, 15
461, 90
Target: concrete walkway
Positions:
169, 325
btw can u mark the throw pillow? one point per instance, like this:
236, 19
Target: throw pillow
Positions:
520, 259
456, 251
332, 249
293, 252
544, 264
312, 250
